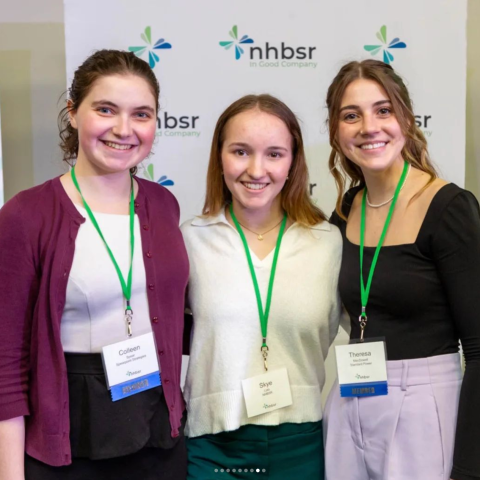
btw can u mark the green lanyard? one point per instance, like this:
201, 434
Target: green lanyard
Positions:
263, 315
126, 287
365, 291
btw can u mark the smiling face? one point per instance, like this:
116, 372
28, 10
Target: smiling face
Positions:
116, 123
256, 158
368, 131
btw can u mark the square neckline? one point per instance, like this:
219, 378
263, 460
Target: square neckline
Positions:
420, 230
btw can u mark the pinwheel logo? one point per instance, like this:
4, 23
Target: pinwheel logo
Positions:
160, 44
385, 47
236, 42
163, 180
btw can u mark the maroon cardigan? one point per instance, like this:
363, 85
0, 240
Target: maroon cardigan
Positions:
38, 228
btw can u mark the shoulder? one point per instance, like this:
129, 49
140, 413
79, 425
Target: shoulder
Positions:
186, 227
27, 204
347, 202
158, 194
26, 214
452, 222
451, 200
323, 234
202, 225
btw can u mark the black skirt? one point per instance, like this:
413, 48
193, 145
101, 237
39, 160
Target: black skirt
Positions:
127, 439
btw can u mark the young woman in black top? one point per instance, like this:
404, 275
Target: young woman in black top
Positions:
423, 296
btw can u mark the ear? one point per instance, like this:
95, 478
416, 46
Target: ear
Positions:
72, 114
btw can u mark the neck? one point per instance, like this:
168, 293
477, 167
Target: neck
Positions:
381, 185
110, 188
259, 219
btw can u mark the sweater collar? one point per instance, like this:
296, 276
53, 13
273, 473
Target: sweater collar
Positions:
205, 221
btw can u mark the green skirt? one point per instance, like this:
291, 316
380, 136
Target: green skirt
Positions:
284, 452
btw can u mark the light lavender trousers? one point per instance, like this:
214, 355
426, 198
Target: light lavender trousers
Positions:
406, 435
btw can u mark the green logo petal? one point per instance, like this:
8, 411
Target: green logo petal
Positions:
147, 36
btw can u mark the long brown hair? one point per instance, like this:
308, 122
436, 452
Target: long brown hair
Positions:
102, 63
295, 199
415, 150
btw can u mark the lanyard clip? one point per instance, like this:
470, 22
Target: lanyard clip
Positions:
128, 321
264, 351
362, 320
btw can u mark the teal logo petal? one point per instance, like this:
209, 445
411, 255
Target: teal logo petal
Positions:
384, 47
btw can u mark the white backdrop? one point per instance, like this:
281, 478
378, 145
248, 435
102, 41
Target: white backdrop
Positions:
199, 77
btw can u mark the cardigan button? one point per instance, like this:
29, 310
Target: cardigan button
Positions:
155, 319
151, 286
136, 204
161, 353
166, 381
145, 227
149, 254
172, 407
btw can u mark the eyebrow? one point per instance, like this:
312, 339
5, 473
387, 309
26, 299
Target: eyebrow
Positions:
246, 145
111, 104
356, 107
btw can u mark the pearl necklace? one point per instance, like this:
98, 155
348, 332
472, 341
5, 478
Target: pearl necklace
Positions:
378, 205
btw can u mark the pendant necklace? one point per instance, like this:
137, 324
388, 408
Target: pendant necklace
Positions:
260, 235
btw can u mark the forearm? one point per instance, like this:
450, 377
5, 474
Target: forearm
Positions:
12, 448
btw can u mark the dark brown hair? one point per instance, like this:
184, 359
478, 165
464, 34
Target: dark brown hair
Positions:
415, 150
101, 64
295, 199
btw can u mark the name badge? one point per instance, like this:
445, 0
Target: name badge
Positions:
131, 366
267, 392
362, 369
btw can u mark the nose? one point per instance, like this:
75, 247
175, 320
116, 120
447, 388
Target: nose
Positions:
370, 125
256, 167
122, 127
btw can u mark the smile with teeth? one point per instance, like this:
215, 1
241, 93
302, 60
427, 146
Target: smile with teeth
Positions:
371, 146
255, 186
118, 146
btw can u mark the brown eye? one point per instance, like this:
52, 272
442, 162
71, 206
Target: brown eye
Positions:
350, 117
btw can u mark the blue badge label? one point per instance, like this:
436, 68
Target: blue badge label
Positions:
364, 389
137, 385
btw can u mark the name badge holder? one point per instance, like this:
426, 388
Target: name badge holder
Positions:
271, 390
362, 368
362, 364
131, 366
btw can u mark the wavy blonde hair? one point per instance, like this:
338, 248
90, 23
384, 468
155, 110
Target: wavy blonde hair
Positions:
295, 198
415, 150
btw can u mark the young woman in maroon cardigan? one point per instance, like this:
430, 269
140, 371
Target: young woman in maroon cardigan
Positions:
63, 299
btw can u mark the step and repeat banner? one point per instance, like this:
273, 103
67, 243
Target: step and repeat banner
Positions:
206, 54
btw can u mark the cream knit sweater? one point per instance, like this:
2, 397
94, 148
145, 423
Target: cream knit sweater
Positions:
226, 337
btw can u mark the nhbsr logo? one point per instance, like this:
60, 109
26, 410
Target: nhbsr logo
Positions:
270, 55
171, 126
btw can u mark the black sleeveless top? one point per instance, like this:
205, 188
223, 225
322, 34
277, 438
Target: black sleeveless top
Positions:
425, 298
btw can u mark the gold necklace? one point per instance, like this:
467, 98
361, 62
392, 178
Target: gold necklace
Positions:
260, 235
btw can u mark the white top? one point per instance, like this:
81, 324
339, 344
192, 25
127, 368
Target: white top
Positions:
94, 313
226, 337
